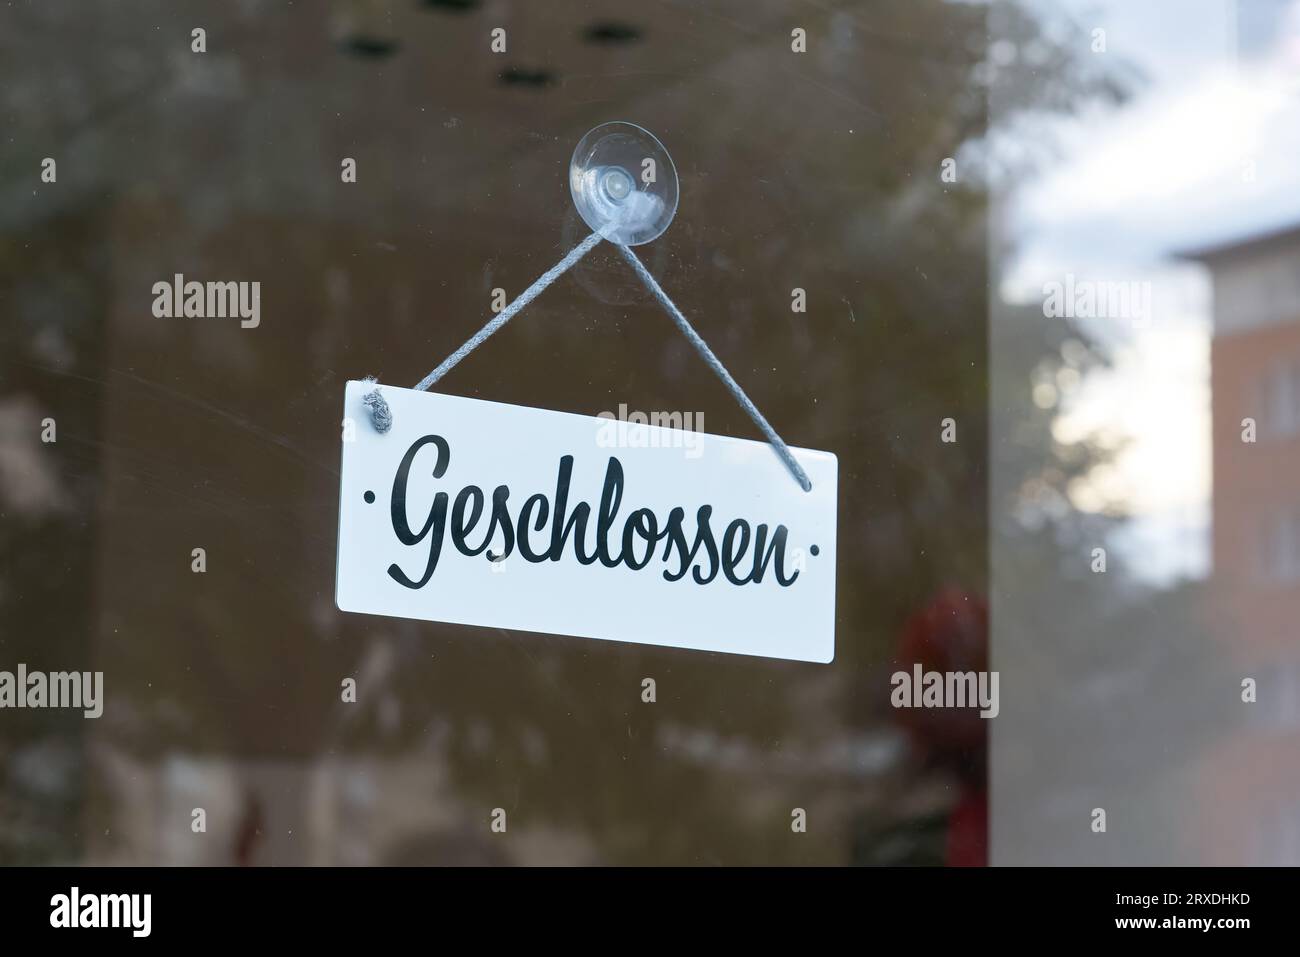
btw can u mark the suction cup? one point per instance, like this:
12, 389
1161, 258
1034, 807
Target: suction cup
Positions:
623, 183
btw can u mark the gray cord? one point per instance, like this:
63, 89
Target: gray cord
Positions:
383, 418
380, 414
718, 368
508, 313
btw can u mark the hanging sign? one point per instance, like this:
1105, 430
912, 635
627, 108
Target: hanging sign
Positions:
481, 513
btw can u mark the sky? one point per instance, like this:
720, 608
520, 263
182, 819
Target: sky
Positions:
1204, 152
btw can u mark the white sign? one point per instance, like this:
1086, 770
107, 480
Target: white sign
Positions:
480, 513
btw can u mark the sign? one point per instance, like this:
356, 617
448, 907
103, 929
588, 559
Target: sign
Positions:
481, 513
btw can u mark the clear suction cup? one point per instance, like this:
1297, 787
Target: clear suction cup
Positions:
624, 183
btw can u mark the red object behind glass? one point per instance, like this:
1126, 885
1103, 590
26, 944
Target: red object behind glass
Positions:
950, 634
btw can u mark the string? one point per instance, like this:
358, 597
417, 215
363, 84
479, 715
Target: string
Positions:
719, 369
382, 416
508, 313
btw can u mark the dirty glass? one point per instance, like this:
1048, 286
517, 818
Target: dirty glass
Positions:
847, 242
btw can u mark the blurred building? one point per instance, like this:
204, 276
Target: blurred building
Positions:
1255, 385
